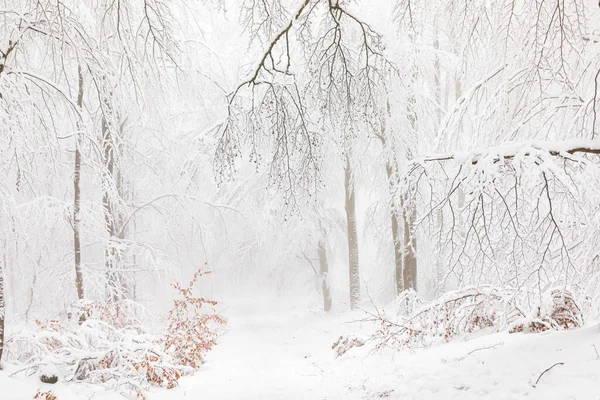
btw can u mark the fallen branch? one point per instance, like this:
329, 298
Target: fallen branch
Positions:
495, 346
548, 369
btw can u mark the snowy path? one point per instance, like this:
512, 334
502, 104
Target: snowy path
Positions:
274, 354
278, 353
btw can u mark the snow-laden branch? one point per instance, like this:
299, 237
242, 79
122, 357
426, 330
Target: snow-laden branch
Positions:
510, 150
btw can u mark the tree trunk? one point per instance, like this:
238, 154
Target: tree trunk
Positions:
2, 305
113, 255
398, 253
77, 204
117, 285
353, 264
404, 247
409, 270
409, 262
324, 273
437, 80
438, 265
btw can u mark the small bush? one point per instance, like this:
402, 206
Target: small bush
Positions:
557, 311
469, 310
191, 332
344, 344
125, 357
454, 314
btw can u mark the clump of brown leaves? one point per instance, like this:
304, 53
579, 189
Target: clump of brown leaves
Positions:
193, 325
560, 311
345, 343
44, 395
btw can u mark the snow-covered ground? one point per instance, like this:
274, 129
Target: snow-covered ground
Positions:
273, 351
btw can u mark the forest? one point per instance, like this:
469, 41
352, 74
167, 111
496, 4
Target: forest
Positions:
299, 199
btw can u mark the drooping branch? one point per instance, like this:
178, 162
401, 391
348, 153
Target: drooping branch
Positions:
526, 209
344, 73
268, 55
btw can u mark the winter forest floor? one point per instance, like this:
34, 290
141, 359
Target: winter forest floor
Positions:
271, 351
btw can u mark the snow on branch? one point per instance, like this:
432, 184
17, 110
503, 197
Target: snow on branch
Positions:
125, 357
508, 151
519, 216
277, 108
462, 312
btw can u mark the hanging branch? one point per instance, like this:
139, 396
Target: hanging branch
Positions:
339, 82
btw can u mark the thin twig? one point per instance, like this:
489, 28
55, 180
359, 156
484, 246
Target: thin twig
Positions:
479, 349
548, 369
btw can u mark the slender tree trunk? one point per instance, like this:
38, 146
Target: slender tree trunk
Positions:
441, 102
119, 216
32, 289
409, 265
404, 246
114, 254
2, 305
77, 205
437, 80
398, 253
324, 273
409, 270
353, 260
134, 258
110, 252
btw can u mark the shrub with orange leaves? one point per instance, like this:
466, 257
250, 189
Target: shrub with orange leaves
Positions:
345, 343
125, 357
193, 325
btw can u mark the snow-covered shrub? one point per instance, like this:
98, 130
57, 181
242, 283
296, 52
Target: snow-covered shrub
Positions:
345, 343
116, 313
557, 311
466, 311
407, 302
96, 352
129, 358
453, 314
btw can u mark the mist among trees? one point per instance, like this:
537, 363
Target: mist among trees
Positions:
288, 196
